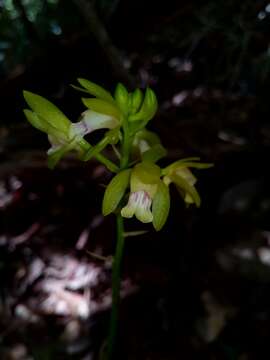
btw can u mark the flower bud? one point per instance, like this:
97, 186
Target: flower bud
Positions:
135, 101
122, 98
148, 108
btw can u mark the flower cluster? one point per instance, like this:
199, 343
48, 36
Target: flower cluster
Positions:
124, 115
149, 198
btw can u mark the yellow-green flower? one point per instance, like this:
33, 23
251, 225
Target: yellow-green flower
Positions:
144, 181
149, 199
46, 117
180, 174
64, 135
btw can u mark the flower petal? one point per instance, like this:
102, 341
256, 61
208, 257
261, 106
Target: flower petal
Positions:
91, 121
129, 210
115, 191
143, 212
161, 206
189, 189
139, 204
47, 111
96, 90
102, 107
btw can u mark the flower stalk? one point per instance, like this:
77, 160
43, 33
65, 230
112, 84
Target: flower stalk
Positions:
116, 285
120, 243
137, 176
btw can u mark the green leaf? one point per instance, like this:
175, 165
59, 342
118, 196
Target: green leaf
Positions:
47, 111
121, 97
102, 107
96, 90
161, 206
115, 191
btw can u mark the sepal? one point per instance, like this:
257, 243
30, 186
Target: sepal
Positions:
122, 98
135, 101
155, 153
47, 110
161, 206
103, 107
185, 188
54, 156
115, 191
36, 121
96, 90
148, 108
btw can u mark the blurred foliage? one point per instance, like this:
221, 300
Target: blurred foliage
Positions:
27, 25
226, 48
24, 24
228, 39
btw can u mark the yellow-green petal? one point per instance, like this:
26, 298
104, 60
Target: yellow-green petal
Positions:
115, 191
35, 120
42, 125
121, 97
96, 90
155, 153
103, 107
47, 111
146, 173
186, 187
55, 156
148, 108
161, 206
135, 101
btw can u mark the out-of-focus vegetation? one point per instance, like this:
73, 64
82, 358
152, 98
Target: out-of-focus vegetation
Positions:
228, 41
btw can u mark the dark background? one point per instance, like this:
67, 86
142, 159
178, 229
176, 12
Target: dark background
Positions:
199, 289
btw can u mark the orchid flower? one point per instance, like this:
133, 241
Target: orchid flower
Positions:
46, 117
144, 181
64, 135
180, 174
148, 200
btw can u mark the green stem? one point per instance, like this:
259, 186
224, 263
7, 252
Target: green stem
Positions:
108, 163
116, 272
116, 283
126, 146
102, 159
